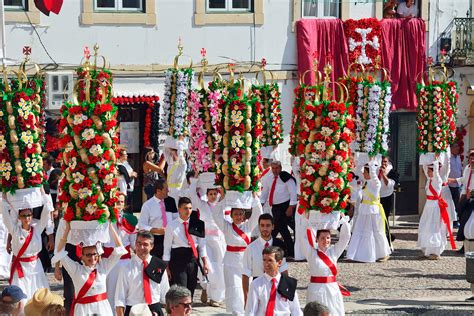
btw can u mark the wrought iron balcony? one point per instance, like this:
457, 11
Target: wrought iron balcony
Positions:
457, 41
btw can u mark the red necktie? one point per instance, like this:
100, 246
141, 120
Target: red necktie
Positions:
271, 302
146, 284
267, 244
270, 200
190, 240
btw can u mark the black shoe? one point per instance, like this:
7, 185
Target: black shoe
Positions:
461, 251
392, 237
471, 299
455, 224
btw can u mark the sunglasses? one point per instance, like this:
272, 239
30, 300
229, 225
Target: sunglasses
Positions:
186, 305
90, 255
26, 215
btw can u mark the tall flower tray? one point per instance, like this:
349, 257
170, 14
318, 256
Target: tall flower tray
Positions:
89, 142
204, 107
22, 129
436, 112
238, 155
175, 110
268, 96
325, 169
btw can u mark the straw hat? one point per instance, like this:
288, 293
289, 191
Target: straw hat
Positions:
140, 310
40, 300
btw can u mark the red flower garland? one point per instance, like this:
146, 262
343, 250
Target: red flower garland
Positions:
150, 102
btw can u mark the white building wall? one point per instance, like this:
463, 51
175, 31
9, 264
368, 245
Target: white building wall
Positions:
358, 10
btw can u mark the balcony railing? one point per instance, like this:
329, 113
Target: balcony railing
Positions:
457, 41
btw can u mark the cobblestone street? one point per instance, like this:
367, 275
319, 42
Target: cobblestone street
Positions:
406, 284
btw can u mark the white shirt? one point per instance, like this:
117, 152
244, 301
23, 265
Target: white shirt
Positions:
129, 290
404, 11
150, 216
465, 179
253, 258
129, 168
231, 237
283, 191
387, 189
175, 237
455, 169
259, 295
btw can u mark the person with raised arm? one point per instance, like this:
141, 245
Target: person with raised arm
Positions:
89, 276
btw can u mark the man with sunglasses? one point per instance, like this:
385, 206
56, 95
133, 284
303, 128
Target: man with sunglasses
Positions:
178, 301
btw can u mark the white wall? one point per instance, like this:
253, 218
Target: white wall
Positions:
361, 10
65, 38
442, 13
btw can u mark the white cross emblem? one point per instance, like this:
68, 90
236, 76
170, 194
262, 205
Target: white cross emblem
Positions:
363, 58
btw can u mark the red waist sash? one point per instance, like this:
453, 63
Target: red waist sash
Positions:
236, 248
16, 266
443, 209
330, 279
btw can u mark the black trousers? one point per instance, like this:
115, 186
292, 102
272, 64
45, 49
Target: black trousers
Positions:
387, 203
281, 226
456, 194
184, 269
157, 250
154, 308
67, 281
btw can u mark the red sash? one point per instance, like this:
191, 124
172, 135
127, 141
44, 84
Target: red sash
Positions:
265, 172
332, 278
236, 248
241, 234
82, 299
16, 262
443, 209
108, 251
309, 234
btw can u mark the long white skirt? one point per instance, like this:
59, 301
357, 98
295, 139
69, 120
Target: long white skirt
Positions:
5, 257
431, 230
368, 242
446, 195
234, 293
299, 236
327, 294
215, 253
101, 308
34, 278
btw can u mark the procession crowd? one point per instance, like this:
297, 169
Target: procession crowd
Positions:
189, 234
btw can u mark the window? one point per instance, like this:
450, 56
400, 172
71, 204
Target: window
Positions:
21, 11
113, 12
228, 12
119, 5
320, 8
229, 5
14, 4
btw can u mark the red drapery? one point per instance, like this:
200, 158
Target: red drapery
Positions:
325, 37
404, 56
403, 52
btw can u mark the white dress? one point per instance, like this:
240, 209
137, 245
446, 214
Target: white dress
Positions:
176, 174
368, 242
128, 240
431, 230
34, 276
327, 294
80, 273
5, 257
215, 246
233, 261
446, 192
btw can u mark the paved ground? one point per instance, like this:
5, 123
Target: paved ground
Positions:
405, 285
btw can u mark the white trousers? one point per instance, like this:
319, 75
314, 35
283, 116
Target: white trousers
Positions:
215, 254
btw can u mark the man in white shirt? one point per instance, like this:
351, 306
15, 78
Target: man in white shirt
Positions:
156, 214
388, 178
455, 171
253, 259
273, 293
407, 9
279, 191
181, 247
139, 281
